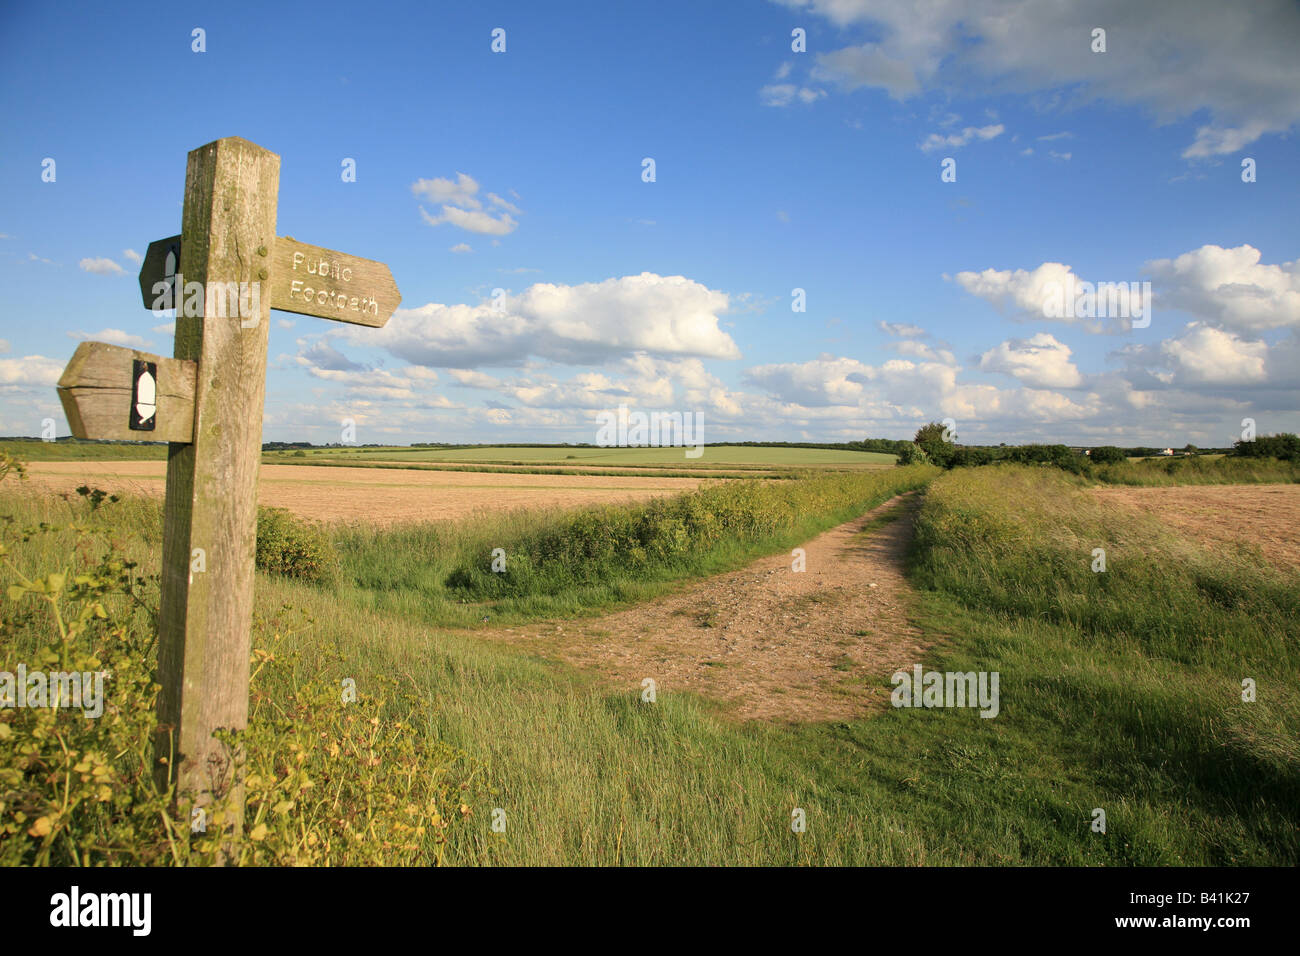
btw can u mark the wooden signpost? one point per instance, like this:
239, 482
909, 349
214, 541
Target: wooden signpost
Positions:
225, 271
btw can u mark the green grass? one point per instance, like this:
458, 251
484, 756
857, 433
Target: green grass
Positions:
33, 450
1120, 690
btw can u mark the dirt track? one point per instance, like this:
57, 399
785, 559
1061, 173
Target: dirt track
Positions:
773, 643
374, 495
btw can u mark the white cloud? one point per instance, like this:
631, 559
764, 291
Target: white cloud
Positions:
901, 329
462, 192
824, 381
112, 337
783, 94
101, 267
31, 370
461, 208
1230, 287
1039, 362
132, 255
591, 322
461, 247
1023, 295
1172, 58
496, 200
957, 140
472, 220
167, 328
1209, 356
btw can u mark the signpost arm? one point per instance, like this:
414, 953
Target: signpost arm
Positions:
210, 519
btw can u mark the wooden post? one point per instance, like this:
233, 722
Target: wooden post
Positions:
210, 518
207, 404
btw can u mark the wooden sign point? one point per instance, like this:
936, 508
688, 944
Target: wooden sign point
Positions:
105, 396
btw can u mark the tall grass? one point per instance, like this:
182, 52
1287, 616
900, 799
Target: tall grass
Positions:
1135, 672
571, 562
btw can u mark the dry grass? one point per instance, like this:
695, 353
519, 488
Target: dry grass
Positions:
1262, 518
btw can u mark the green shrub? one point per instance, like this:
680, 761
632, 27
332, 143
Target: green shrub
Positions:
293, 547
1284, 447
912, 454
1107, 454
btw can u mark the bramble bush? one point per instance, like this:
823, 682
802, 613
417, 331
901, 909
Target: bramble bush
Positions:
600, 544
295, 548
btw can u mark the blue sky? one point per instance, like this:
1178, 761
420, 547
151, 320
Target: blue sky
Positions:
775, 170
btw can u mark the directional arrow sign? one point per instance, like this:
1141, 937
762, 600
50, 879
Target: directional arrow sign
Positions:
161, 263
109, 392
308, 280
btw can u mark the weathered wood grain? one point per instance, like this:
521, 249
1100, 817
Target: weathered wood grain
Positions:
310, 280
95, 390
204, 619
305, 279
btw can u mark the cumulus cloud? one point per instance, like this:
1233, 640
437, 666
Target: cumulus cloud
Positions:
1230, 287
824, 381
461, 247
132, 255
1176, 59
1207, 356
1039, 361
571, 324
101, 267
31, 370
1030, 295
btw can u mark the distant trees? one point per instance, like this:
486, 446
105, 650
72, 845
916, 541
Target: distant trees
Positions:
1107, 454
930, 439
1284, 446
